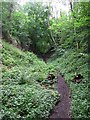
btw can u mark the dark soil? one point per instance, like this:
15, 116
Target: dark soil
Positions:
62, 109
43, 56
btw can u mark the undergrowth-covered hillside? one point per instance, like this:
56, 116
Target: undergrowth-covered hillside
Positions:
70, 64
25, 90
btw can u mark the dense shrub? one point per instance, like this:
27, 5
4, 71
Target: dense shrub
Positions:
27, 101
22, 95
70, 64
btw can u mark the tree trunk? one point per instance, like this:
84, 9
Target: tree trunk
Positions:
71, 6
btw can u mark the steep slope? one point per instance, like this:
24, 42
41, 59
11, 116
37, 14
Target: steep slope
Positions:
24, 80
69, 64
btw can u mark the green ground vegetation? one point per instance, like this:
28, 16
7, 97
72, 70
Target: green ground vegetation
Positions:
31, 27
23, 89
70, 64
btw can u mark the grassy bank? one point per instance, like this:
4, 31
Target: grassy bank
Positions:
70, 64
23, 90
26, 91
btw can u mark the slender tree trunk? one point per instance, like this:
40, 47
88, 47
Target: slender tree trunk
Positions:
74, 30
77, 45
71, 6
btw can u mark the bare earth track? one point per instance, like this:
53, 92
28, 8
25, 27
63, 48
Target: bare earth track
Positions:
62, 109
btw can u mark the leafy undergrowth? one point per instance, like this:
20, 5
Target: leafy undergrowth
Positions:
24, 80
70, 64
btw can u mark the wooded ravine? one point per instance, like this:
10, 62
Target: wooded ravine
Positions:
44, 60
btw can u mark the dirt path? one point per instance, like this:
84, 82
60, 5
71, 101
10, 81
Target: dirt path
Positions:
62, 109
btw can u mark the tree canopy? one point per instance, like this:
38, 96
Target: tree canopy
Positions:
34, 29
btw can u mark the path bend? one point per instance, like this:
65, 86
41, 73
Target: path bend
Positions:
62, 109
